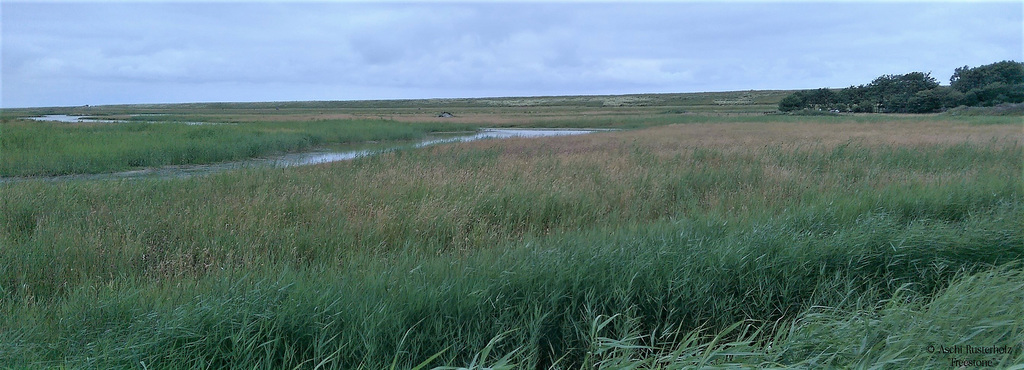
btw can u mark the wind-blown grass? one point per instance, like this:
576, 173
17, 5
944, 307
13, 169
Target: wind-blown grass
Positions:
615, 248
542, 295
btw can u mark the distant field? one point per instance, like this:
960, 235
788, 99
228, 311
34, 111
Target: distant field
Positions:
163, 134
156, 134
691, 240
753, 99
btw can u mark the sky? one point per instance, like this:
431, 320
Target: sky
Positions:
70, 53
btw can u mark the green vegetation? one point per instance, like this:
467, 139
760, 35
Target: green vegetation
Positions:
166, 134
917, 92
990, 84
48, 148
755, 240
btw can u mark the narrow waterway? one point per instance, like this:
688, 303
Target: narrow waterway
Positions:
73, 119
87, 119
305, 158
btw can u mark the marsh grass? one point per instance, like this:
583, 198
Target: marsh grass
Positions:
44, 148
705, 244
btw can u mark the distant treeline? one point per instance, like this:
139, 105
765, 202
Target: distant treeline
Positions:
918, 92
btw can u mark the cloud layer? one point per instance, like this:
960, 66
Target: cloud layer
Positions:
108, 53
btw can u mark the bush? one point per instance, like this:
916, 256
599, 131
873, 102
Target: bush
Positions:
919, 92
1006, 109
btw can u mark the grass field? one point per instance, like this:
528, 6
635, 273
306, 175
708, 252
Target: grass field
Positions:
163, 135
691, 241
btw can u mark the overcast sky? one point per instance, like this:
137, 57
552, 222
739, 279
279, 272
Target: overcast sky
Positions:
75, 53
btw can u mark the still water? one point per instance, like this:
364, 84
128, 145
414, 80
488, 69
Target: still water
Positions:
86, 119
73, 119
307, 158
323, 157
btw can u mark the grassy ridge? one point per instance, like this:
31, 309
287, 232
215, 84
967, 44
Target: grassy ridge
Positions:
42, 148
574, 251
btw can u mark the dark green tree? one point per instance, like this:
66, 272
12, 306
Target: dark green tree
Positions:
857, 99
995, 94
822, 98
934, 100
893, 92
919, 92
792, 102
965, 78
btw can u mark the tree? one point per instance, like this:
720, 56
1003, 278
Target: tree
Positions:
822, 98
965, 78
894, 92
857, 99
919, 92
792, 102
995, 94
933, 100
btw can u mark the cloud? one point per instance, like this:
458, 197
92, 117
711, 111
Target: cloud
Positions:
98, 53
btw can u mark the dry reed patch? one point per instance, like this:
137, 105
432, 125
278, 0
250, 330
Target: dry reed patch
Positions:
619, 159
501, 119
682, 139
746, 135
295, 117
525, 148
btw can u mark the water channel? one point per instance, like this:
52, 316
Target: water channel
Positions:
87, 119
73, 119
305, 158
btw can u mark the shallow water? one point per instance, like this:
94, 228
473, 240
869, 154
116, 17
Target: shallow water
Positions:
494, 133
306, 158
73, 119
87, 119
